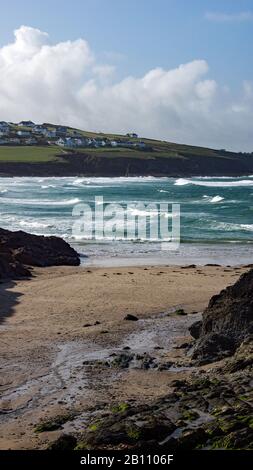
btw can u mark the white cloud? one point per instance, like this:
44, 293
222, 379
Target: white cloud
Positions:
229, 17
104, 71
65, 83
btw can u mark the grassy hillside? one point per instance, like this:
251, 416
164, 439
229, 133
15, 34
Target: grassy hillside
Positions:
159, 158
29, 154
157, 149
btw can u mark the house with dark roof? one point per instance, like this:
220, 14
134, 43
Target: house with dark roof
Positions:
26, 124
61, 131
132, 135
4, 126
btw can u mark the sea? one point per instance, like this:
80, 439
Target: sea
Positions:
216, 216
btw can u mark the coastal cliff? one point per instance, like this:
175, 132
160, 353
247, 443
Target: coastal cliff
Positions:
141, 164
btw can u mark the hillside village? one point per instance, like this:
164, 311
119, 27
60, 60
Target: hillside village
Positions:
27, 133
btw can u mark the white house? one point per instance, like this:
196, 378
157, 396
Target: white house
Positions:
24, 133
114, 143
61, 142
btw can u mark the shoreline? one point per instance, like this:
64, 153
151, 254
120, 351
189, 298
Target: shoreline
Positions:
199, 254
64, 325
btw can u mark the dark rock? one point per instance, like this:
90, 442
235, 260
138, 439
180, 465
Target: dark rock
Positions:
179, 383
190, 266
64, 442
20, 250
212, 264
10, 268
180, 312
183, 346
130, 317
213, 347
145, 362
227, 321
165, 366
243, 357
191, 439
195, 329
122, 360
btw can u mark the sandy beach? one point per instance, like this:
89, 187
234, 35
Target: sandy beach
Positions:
61, 330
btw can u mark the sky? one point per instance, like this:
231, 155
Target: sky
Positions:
178, 70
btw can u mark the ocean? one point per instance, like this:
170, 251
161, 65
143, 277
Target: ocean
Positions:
216, 216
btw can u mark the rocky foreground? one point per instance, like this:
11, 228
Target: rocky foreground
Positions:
19, 251
210, 410
85, 396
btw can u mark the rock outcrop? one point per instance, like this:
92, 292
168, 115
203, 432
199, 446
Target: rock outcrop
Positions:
208, 409
227, 321
20, 250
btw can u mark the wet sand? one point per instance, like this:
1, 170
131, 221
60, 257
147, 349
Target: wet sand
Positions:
61, 330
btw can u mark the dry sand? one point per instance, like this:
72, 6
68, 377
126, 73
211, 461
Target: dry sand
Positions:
52, 362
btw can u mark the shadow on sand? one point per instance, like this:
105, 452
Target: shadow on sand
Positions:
8, 299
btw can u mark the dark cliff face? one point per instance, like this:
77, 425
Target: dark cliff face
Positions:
91, 165
227, 321
20, 250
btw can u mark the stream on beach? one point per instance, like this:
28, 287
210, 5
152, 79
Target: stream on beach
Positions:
82, 373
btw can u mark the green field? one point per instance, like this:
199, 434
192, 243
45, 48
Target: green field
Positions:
29, 154
127, 153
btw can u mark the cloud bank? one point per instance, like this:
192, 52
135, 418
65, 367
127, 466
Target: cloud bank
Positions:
64, 83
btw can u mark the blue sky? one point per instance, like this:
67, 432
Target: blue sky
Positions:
137, 36
148, 33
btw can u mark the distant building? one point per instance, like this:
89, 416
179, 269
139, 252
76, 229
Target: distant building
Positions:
61, 131
4, 126
24, 133
127, 144
14, 141
39, 130
99, 143
66, 142
140, 145
51, 134
26, 124
133, 135
114, 143
60, 142
77, 134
